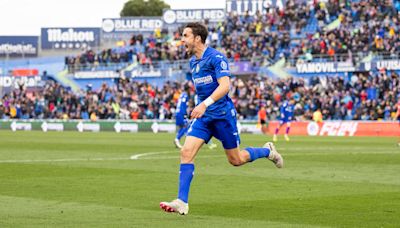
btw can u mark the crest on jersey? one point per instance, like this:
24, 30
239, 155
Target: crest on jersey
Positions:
224, 66
197, 68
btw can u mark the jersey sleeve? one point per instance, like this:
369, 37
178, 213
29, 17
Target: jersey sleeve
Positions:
221, 66
282, 109
191, 63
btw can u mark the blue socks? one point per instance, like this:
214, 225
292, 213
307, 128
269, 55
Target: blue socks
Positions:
186, 171
185, 177
256, 153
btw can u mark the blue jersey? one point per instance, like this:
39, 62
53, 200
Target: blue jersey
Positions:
287, 111
205, 73
181, 107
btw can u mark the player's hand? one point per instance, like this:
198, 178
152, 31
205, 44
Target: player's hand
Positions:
198, 111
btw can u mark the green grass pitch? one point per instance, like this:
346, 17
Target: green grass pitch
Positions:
72, 179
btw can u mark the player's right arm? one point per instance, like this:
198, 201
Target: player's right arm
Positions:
222, 73
282, 111
219, 92
222, 89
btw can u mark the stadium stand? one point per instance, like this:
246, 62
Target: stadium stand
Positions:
337, 31
302, 32
364, 97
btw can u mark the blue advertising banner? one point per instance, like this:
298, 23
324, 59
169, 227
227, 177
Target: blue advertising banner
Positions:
337, 67
70, 38
244, 67
18, 46
393, 64
144, 73
131, 24
325, 67
171, 17
9, 83
252, 6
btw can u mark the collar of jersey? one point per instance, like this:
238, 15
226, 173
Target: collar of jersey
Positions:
202, 55
205, 49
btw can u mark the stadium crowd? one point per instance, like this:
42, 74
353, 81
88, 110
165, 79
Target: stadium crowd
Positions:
371, 96
347, 28
364, 96
301, 31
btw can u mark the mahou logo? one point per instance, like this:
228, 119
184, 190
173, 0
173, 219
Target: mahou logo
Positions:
57, 35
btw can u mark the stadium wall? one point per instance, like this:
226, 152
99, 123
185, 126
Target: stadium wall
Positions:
328, 128
340, 128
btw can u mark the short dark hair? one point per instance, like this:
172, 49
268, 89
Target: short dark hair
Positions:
198, 29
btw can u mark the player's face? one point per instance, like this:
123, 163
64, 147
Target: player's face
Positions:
188, 40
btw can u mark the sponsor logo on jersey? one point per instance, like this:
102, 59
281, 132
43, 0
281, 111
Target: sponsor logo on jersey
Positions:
203, 80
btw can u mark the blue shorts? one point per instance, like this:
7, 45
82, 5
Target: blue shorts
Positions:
284, 120
181, 121
225, 130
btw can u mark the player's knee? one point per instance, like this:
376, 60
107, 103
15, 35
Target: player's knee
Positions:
235, 161
186, 155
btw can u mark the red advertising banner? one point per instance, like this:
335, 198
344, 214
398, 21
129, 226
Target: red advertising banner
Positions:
25, 72
340, 128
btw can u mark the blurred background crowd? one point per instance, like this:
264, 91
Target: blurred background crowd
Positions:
363, 97
300, 32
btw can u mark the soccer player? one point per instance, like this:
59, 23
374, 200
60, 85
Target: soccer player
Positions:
317, 116
215, 115
286, 110
398, 111
181, 116
398, 116
262, 119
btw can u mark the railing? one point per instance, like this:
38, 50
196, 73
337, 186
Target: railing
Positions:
345, 57
174, 65
72, 68
258, 61
386, 56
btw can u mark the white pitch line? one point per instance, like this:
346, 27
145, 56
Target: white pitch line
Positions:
62, 160
333, 153
176, 157
133, 157
332, 148
137, 156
